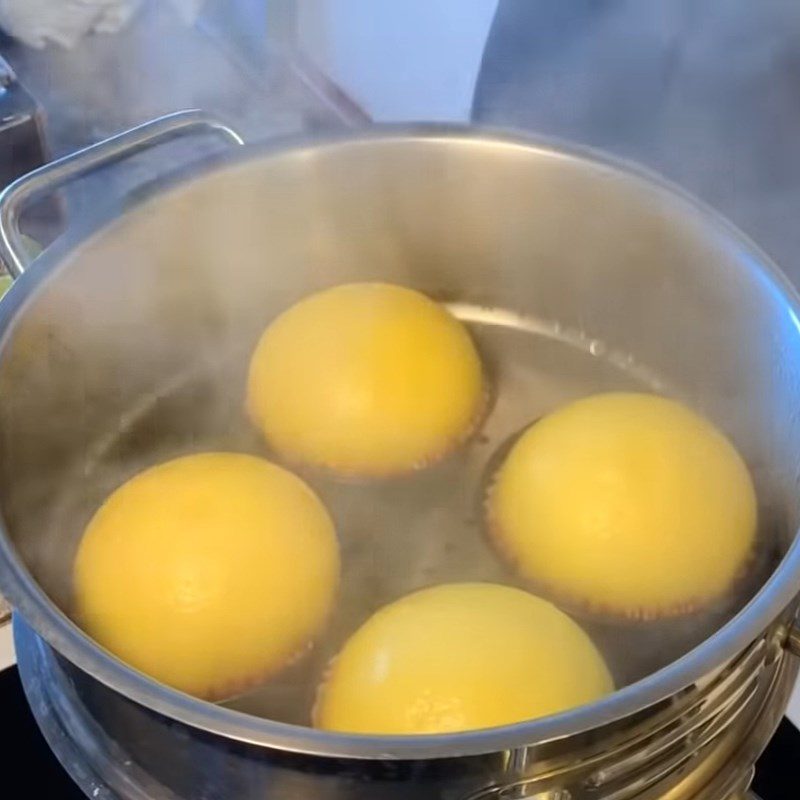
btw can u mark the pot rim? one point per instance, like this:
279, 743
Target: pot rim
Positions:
774, 597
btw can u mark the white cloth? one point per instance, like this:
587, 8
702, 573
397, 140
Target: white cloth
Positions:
38, 23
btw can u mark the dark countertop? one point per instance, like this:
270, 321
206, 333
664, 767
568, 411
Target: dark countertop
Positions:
27, 762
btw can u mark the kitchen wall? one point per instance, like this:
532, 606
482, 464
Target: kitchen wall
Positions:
399, 59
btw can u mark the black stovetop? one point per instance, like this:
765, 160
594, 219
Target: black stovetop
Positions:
30, 763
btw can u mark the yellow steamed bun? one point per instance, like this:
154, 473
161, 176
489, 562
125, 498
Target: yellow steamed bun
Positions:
625, 504
365, 379
459, 657
209, 572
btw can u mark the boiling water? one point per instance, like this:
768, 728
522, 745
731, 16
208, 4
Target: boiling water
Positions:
402, 534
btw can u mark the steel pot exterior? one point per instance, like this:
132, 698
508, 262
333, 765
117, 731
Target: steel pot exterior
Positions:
110, 314
700, 745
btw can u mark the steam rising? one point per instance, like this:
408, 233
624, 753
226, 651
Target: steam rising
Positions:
136, 351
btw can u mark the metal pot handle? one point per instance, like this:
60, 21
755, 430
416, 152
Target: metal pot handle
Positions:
50, 177
46, 179
793, 637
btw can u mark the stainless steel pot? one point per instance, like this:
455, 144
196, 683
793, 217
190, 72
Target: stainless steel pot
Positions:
123, 343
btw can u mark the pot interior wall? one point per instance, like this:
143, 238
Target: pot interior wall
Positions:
574, 277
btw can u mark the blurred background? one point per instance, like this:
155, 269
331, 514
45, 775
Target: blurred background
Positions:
705, 93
